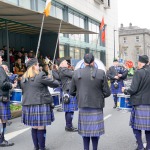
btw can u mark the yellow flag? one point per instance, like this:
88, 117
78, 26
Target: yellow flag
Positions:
47, 8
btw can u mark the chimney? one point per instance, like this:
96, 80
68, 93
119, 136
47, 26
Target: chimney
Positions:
130, 25
121, 25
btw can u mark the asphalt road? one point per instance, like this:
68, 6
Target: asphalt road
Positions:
118, 134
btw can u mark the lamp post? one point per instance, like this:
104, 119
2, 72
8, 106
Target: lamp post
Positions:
114, 43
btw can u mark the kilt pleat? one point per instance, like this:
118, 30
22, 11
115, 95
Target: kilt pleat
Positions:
140, 117
90, 122
5, 113
72, 106
37, 115
119, 89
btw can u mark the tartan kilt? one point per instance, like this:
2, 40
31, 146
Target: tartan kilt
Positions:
140, 117
5, 113
72, 106
119, 89
37, 115
90, 122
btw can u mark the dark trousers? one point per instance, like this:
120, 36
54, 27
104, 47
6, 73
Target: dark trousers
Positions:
86, 142
115, 99
69, 118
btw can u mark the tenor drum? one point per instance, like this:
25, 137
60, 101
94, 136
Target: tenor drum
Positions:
16, 96
124, 102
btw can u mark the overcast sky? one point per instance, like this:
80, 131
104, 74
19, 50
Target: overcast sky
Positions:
135, 11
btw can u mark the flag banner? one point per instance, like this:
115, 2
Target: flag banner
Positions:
102, 29
47, 8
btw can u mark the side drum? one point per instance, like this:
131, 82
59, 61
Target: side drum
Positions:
124, 102
16, 96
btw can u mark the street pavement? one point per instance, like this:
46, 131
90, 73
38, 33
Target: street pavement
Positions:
118, 134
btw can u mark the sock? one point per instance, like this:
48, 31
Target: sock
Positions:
86, 143
69, 118
41, 135
147, 133
3, 130
138, 137
95, 142
34, 137
115, 99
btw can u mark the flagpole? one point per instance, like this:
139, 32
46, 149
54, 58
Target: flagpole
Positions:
57, 42
97, 43
40, 35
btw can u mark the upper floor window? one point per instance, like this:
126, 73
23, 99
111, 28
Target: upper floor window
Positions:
124, 40
137, 38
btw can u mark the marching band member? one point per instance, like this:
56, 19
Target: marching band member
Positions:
140, 100
116, 74
36, 110
5, 113
91, 87
69, 103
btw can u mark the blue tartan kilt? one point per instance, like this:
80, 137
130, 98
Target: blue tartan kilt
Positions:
72, 106
118, 90
90, 122
37, 115
5, 113
140, 117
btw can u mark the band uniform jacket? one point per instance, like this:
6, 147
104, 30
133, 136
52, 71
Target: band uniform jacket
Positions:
35, 90
91, 87
65, 76
5, 84
111, 73
140, 87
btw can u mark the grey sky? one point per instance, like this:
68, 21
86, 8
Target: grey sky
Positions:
135, 11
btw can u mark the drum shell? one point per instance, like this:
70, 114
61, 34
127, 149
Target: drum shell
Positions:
124, 101
16, 96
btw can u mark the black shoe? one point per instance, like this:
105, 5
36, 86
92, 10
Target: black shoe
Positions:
114, 106
72, 129
140, 149
6, 144
60, 110
36, 148
8, 123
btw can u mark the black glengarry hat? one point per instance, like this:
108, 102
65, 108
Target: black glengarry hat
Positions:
143, 59
31, 62
88, 58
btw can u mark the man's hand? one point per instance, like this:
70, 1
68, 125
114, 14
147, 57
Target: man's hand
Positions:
123, 88
116, 77
119, 75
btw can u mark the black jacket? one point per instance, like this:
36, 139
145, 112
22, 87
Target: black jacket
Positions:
5, 84
35, 90
91, 87
111, 73
140, 87
65, 75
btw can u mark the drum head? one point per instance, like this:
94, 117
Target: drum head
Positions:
98, 64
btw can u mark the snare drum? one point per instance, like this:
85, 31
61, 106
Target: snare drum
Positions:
56, 98
124, 101
16, 96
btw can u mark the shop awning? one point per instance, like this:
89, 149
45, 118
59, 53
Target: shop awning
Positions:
27, 21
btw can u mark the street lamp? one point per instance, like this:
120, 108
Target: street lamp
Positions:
114, 43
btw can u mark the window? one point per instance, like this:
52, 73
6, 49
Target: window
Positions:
61, 51
82, 53
77, 53
93, 26
78, 20
25, 4
72, 52
108, 3
137, 39
34, 5
124, 40
138, 51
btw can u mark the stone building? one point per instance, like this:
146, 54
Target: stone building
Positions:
133, 41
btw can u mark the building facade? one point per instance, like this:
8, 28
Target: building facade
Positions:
86, 14
133, 41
